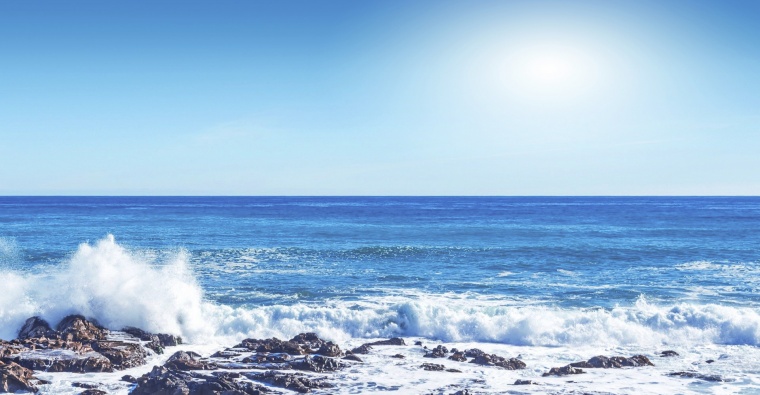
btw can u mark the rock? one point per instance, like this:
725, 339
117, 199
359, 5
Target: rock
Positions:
398, 356
272, 345
352, 357
188, 360
563, 371
458, 356
318, 364
293, 381
64, 361
363, 349
669, 353
524, 382
309, 340
602, 362
267, 358
163, 381
123, 355
35, 327
463, 392
78, 328
396, 341
167, 340
156, 342
16, 378
495, 360
710, 361
330, 349
433, 367
225, 354
418, 343
473, 353
93, 392
695, 375
438, 352
128, 378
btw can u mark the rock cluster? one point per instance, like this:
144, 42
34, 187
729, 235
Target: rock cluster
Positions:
599, 362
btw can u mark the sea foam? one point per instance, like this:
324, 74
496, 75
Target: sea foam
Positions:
119, 287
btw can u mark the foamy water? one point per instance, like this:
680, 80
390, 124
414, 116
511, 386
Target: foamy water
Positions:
551, 281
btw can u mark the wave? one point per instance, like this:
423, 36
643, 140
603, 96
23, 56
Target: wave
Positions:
117, 287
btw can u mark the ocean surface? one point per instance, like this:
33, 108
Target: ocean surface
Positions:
552, 279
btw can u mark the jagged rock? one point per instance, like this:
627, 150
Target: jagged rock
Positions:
64, 361
318, 364
563, 371
669, 353
398, 356
330, 349
524, 382
93, 392
16, 378
602, 362
129, 378
167, 340
309, 340
433, 367
458, 356
495, 360
78, 328
352, 357
273, 345
123, 355
156, 342
396, 341
418, 343
438, 352
473, 353
225, 354
363, 349
188, 360
700, 376
163, 381
710, 361
293, 381
267, 358
35, 327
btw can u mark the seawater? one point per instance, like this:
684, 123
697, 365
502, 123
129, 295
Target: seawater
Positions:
554, 279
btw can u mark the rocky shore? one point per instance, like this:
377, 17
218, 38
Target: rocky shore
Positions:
254, 366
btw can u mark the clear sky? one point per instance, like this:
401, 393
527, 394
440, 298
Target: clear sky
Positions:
380, 97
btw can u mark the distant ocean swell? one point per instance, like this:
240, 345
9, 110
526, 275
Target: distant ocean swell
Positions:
121, 288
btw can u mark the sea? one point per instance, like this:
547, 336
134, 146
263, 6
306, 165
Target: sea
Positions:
551, 280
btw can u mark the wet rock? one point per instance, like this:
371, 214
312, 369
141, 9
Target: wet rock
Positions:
293, 381
93, 392
398, 356
167, 340
710, 361
363, 349
438, 352
161, 380
352, 357
602, 362
35, 327
563, 371
669, 353
418, 343
463, 392
128, 378
524, 382
433, 367
273, 345
64, 361
188, 360
78, 328
330, 349
309, 340
16, 378
123, 355
495, 360
458, 356
318, 364
473, 353
267, 358
225, 354
700, 376
156, 342
396, 341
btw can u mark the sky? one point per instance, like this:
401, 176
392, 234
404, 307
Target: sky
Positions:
380, 97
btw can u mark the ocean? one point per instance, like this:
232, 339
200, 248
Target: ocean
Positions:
552, 280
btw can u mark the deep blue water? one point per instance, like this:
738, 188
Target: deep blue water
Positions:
562, 251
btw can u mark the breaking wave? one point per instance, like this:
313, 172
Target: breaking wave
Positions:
117, 287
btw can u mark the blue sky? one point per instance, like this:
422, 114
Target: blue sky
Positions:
380, 98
